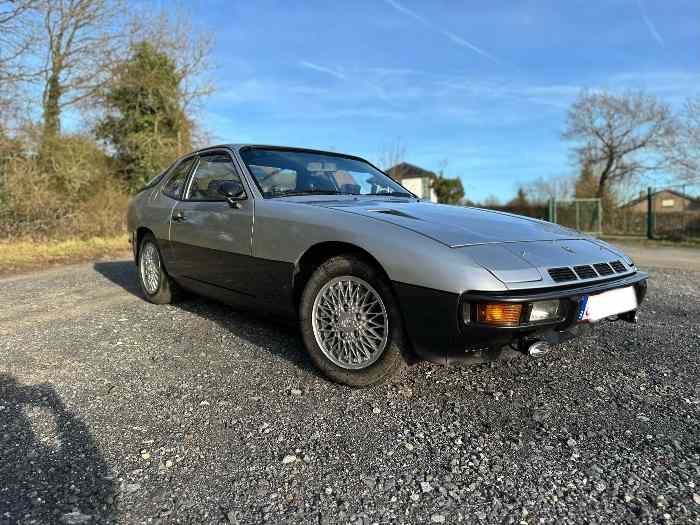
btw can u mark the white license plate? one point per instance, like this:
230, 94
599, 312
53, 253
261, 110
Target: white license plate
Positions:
596, 307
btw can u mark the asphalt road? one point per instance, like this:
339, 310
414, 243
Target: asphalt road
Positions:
116, 410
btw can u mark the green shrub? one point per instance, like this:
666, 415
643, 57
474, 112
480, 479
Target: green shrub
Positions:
69, 192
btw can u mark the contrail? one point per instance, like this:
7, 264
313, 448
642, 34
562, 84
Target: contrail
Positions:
322, 69
460, 41
650, 24
407, 11
454, 38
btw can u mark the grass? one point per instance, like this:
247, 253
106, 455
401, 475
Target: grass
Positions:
26, 255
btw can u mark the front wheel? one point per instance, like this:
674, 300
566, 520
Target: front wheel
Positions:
351, 324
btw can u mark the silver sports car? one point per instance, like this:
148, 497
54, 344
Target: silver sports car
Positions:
375, 277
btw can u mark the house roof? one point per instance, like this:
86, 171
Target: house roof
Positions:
405, 170
663, 190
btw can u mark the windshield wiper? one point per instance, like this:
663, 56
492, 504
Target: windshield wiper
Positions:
308, 192
391, 194
336, 192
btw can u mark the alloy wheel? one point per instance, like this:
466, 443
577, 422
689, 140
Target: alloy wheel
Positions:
150, 267
350, 322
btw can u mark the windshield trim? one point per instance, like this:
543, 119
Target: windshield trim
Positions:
317, 152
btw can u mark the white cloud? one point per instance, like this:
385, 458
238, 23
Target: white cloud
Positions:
258, 90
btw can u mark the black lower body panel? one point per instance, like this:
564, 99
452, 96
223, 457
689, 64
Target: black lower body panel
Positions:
435, 327
432, 323
430, 320
237, 279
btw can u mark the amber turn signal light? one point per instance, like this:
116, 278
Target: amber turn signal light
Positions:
499, 314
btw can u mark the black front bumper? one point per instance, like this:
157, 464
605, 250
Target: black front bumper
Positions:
434, 323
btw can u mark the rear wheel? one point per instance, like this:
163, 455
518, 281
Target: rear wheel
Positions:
155, 283
351, 324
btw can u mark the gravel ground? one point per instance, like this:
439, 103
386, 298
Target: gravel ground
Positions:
116, 410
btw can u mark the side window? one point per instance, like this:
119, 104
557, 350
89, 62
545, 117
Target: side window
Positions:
210, 173
173, 188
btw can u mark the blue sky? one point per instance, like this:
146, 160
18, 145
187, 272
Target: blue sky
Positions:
484, 85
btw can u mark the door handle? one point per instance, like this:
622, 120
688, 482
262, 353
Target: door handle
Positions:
178, 216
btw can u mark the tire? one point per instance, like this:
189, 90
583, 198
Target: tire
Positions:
160, 288
323, 317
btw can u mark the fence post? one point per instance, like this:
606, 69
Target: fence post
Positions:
552, 210
650, 213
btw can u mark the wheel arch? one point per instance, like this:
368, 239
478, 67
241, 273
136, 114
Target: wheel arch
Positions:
141, 232
316, 254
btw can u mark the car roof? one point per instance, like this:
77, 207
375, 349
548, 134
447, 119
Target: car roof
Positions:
239, 147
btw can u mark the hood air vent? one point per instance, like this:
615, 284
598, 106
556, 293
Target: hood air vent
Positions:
585, 272
397, 213
603, 269
618, 266
561, 275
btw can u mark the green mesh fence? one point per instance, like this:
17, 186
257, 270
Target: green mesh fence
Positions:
676, 212
585, 215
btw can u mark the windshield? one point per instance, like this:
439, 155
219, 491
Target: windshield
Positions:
287, 172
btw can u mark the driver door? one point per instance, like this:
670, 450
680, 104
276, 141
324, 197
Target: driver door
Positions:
210, 239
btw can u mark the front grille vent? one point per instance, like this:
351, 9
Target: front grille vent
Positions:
617, 266
585, 272
561, 275
603, 269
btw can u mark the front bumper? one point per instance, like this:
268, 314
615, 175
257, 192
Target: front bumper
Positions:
435, 325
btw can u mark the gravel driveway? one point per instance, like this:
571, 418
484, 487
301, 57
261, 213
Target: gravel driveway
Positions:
116, 410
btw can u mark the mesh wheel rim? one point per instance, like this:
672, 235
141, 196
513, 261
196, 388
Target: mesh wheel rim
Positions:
350, 322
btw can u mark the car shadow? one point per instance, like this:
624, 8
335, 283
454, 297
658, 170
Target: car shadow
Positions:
121, 273
51, 468
277, 336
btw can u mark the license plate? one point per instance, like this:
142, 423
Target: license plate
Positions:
596, 307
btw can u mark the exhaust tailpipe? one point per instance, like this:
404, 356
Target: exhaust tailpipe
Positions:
630, 317
539, 349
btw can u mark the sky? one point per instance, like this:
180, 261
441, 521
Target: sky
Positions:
483, 86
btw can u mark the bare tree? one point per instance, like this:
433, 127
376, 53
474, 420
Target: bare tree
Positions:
391, 155
16, 39
683, 149
492, 201
82, 40
620, 135
171, 32
542, 189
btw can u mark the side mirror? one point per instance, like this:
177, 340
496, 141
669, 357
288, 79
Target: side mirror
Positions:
232, 191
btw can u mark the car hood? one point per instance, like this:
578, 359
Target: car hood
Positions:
455, 226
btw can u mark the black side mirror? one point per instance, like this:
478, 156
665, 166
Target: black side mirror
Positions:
233, 192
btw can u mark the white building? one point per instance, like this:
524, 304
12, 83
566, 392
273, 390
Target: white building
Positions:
415, 179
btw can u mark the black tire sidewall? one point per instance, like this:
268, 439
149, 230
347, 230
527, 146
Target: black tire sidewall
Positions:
163, 295
392, 360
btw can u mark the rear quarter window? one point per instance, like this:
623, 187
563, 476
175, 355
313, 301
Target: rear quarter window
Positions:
173, 188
